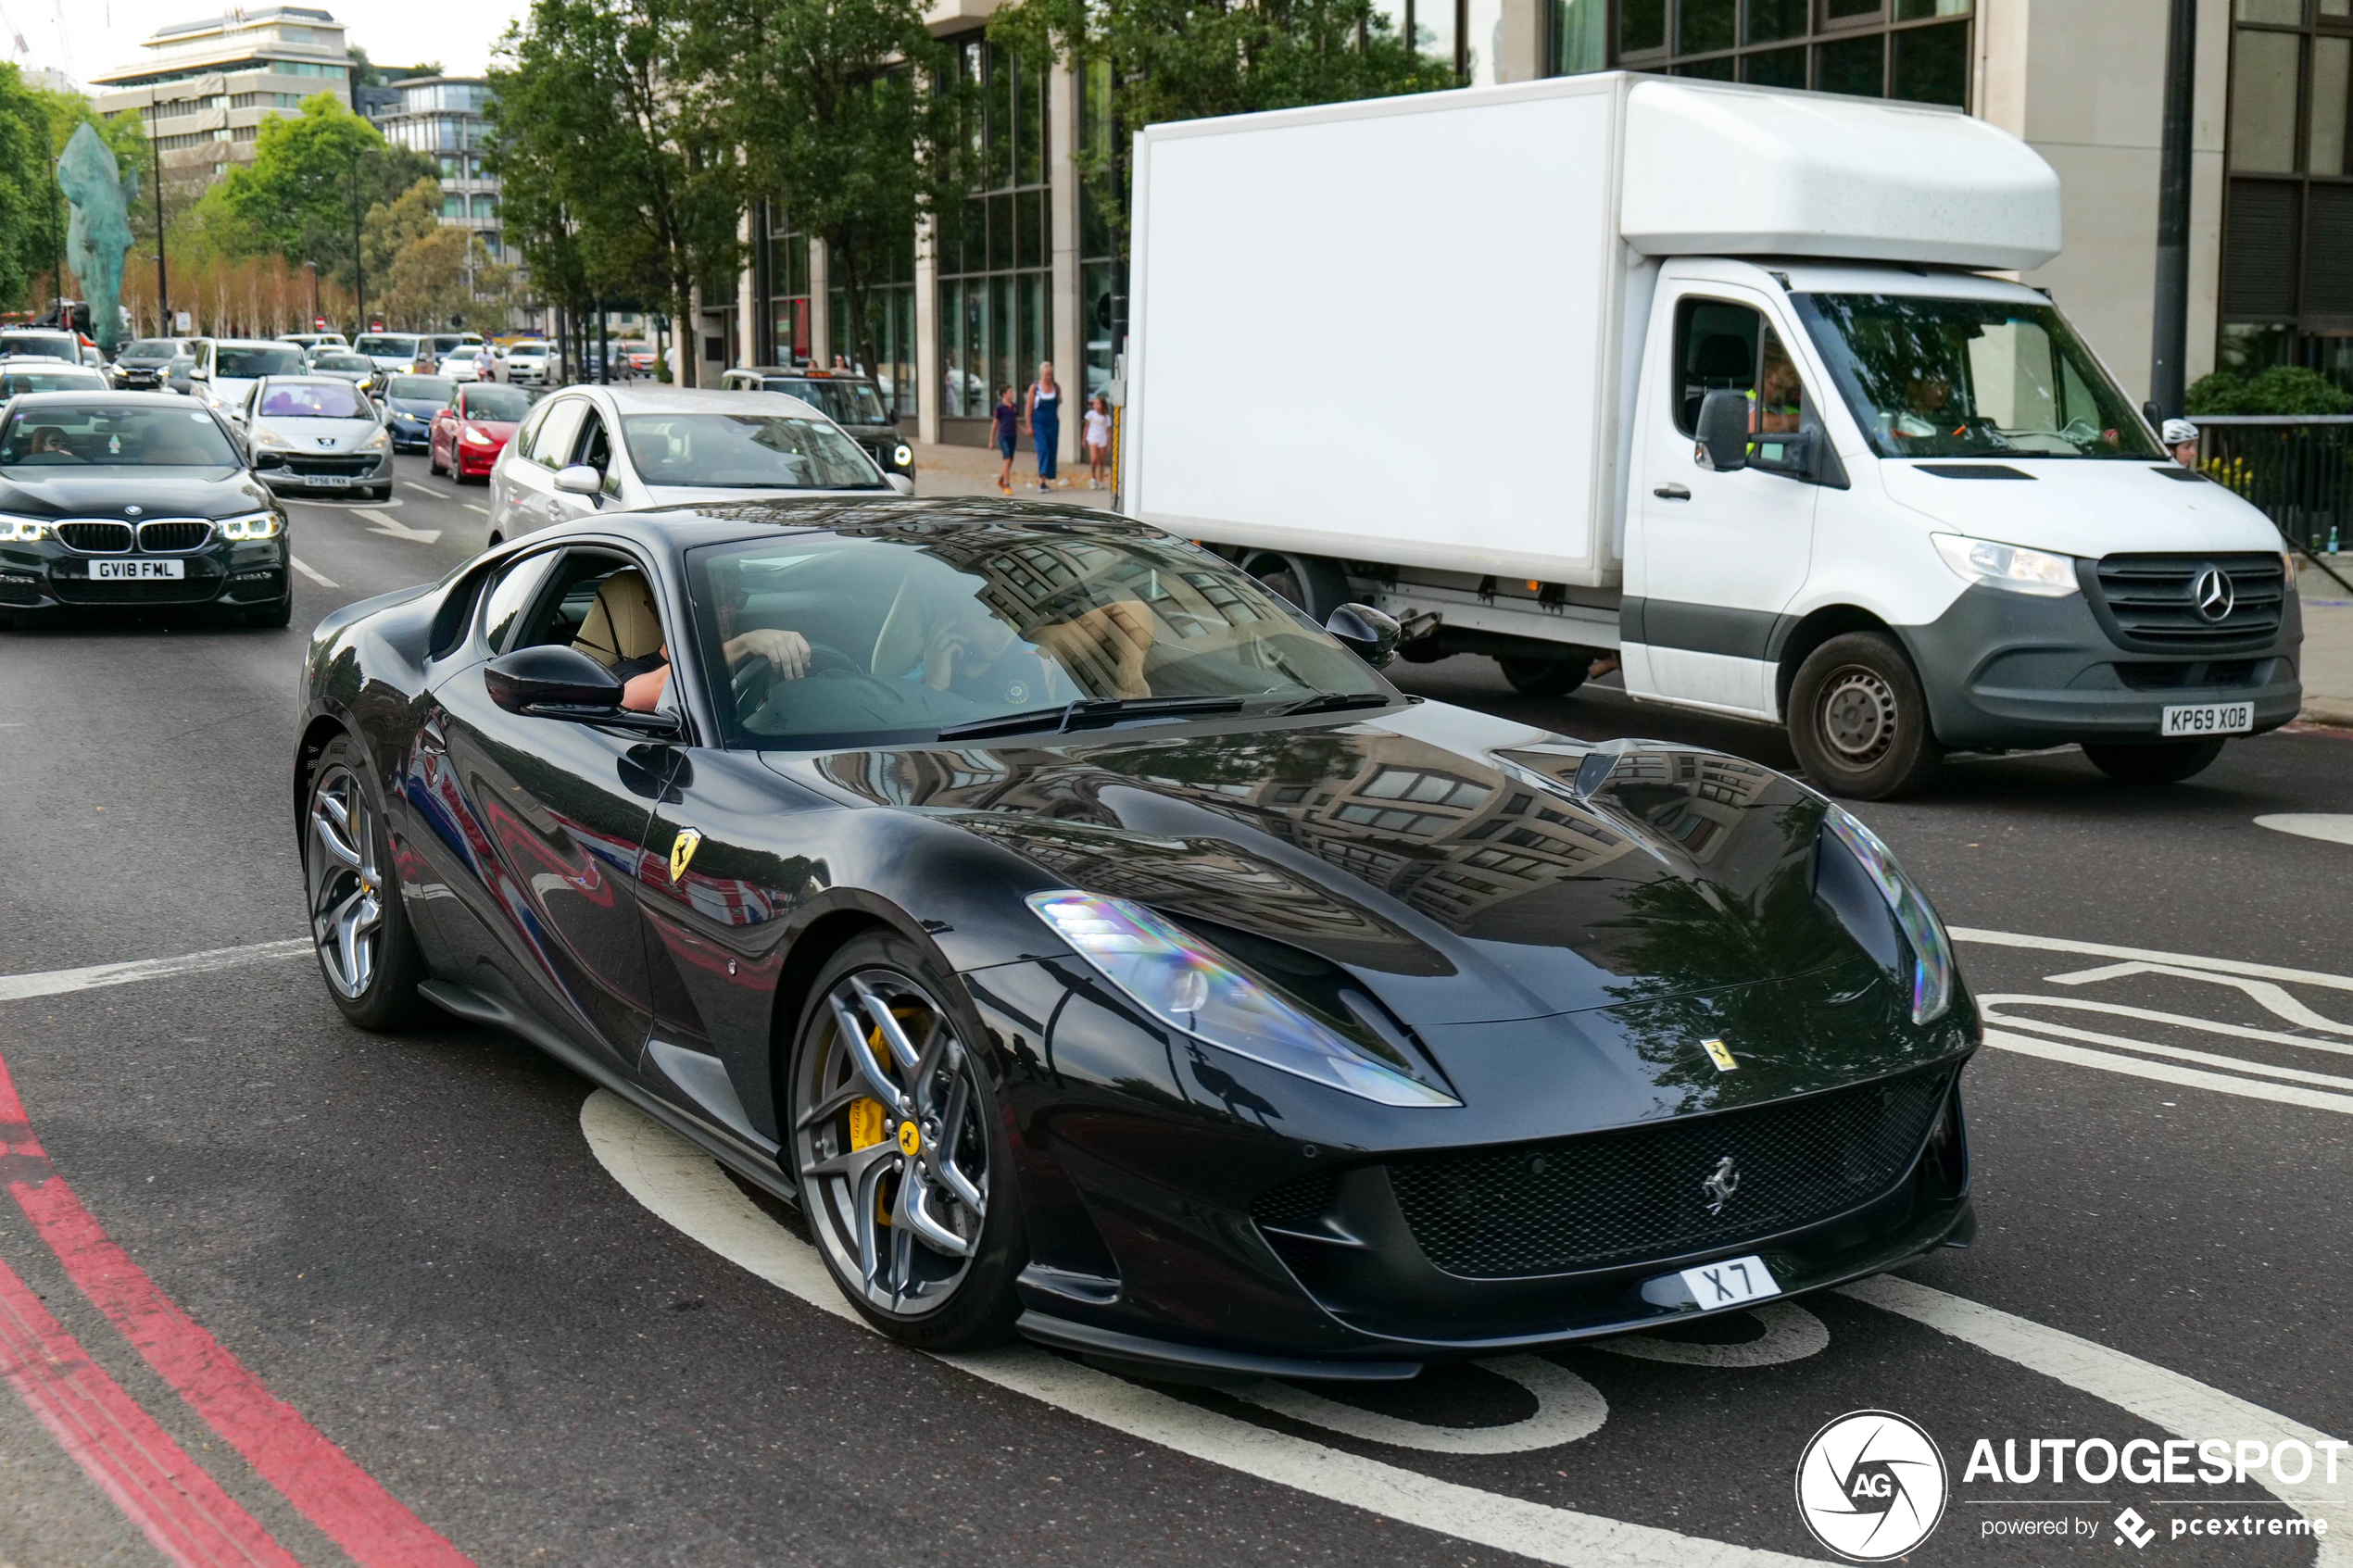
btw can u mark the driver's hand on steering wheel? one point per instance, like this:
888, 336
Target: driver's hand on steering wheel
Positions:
787, 652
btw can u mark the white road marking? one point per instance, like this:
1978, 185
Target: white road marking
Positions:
1792, 1334
2284, 1093
1567, 1407
2263, 992
2176, 1053
426, 489
472, 508
2178, 1020
53, 982
2182, 1405
2184, 960
2330, 827
682, 1186
393, 529
313, 573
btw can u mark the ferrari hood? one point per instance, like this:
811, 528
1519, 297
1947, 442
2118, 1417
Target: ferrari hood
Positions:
1470, 869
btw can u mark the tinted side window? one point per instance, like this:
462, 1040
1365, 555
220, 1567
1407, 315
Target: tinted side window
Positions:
509, 595
552, 446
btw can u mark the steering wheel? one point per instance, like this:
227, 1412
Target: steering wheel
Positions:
747, 684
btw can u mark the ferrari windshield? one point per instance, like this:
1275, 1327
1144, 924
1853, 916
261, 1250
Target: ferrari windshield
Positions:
745, 452
104, 435
898, 632
1971, 378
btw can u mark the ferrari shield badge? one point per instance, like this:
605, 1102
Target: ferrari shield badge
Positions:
682, 851
1718, 1051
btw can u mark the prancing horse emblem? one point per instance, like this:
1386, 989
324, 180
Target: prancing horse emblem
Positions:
682, 850
1720, 1187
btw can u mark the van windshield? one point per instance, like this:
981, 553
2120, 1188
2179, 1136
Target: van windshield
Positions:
1971, 378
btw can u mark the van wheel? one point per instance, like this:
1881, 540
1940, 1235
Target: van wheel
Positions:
1858, 719
1314, 583
2164, 763
1543, 677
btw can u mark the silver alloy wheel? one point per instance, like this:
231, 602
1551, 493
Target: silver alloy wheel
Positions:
1858, 714
889, 1141
346, 890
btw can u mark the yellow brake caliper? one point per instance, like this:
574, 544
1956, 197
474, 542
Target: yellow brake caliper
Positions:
867, 1117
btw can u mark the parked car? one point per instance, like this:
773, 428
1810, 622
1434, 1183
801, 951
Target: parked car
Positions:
528, 362
590, 448
410, 404
1037, 997
142, 364
637, 355
39, 373
134, 498
227, 368
474, 427
854, 402
316, 433
393, 352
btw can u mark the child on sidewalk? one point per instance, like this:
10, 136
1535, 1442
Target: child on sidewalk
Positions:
1098, 441
1002, 421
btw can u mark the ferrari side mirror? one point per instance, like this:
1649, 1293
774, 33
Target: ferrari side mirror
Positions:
555, 681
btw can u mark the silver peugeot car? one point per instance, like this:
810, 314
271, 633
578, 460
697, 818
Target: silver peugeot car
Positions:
318, 434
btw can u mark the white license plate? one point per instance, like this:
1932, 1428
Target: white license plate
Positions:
331, 481
137, 570
2209, 719
1730, 1283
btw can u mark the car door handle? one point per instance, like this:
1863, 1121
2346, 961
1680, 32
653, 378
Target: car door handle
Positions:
1672, 493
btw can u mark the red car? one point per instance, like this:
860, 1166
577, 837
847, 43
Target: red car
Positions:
474, 427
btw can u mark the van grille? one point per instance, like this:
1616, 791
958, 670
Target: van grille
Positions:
2150, 601
1635, 1193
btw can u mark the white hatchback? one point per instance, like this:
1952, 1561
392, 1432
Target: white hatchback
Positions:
591, 448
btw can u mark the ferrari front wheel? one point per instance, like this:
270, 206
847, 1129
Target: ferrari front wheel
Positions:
358, 924
902, 1159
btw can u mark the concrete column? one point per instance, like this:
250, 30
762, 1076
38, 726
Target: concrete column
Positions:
1521, 56
821, 312
930, 376
2206, 183
747, 318
1068, 347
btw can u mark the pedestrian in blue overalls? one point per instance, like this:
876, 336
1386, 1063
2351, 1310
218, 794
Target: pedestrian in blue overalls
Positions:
1046, 422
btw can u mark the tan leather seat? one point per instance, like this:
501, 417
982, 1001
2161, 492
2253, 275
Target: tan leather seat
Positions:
622, 623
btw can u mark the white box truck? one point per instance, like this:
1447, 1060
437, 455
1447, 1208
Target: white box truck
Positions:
1724, 379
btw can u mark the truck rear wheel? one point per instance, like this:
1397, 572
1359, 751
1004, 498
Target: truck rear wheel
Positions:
2164, 763
1858, 719
1313, 582
1543, 677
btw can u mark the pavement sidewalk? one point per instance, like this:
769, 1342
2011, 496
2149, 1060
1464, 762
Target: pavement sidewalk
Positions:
972, 470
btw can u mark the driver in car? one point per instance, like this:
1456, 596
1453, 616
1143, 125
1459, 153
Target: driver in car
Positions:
624, 619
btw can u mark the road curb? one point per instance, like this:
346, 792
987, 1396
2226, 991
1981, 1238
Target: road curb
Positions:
2326, 710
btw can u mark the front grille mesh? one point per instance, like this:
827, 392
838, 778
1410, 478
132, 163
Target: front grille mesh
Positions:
97, 538
174, 534
2151, 599
1298, 1203
1636, 1192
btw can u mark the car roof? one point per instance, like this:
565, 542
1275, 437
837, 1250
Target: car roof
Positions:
304, 381
246, 342
38, 332
111, 398
693, 400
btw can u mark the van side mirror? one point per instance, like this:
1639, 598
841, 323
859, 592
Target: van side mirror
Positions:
1365, 632
1723, 431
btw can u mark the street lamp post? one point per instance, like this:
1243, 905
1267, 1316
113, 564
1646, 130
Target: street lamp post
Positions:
312, 268
206, 87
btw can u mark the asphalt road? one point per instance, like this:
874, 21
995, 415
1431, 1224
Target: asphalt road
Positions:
402, 1291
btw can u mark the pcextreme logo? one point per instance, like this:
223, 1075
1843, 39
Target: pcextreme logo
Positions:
1872, 1486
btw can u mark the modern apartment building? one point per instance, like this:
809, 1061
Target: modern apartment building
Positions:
2083, 81
441, 117
205, 87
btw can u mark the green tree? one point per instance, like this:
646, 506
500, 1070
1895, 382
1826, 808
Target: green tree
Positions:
428, 281
388, 230
853, 113
295, 199
28, 176
1188, 59
620, 180
2283, 389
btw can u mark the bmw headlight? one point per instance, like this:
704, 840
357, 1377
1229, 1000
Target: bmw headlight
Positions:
903, 455
253, 525
22, 531
2008, 567
1190, 987
1931, 950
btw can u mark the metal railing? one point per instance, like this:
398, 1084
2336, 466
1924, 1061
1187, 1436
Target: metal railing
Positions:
2297, 467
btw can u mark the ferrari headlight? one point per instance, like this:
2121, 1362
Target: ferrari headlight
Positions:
22, 531
1191, 987
2009, 567
253, 525
903, 455
1931, 950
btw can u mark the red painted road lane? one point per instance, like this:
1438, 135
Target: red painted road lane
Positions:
318, 1478
175, 1503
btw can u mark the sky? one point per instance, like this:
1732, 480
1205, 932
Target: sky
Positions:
83, 37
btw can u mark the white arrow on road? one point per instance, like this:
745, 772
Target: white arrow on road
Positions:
385, 525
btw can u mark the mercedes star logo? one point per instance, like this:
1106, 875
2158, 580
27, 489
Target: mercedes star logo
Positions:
2212, 593
1720, 1185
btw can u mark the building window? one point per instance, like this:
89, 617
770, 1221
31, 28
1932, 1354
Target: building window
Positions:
2287, 217
787, 270
1917, 50
453, 205
995, 269
1100, 214
890, 322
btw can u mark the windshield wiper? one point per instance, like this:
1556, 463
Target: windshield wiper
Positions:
1089, 713
1332, 702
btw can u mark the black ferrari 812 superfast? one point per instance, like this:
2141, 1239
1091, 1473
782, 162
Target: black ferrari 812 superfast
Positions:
1093, 947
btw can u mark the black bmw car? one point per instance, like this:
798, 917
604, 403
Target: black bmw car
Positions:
134, 498
1093, 947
